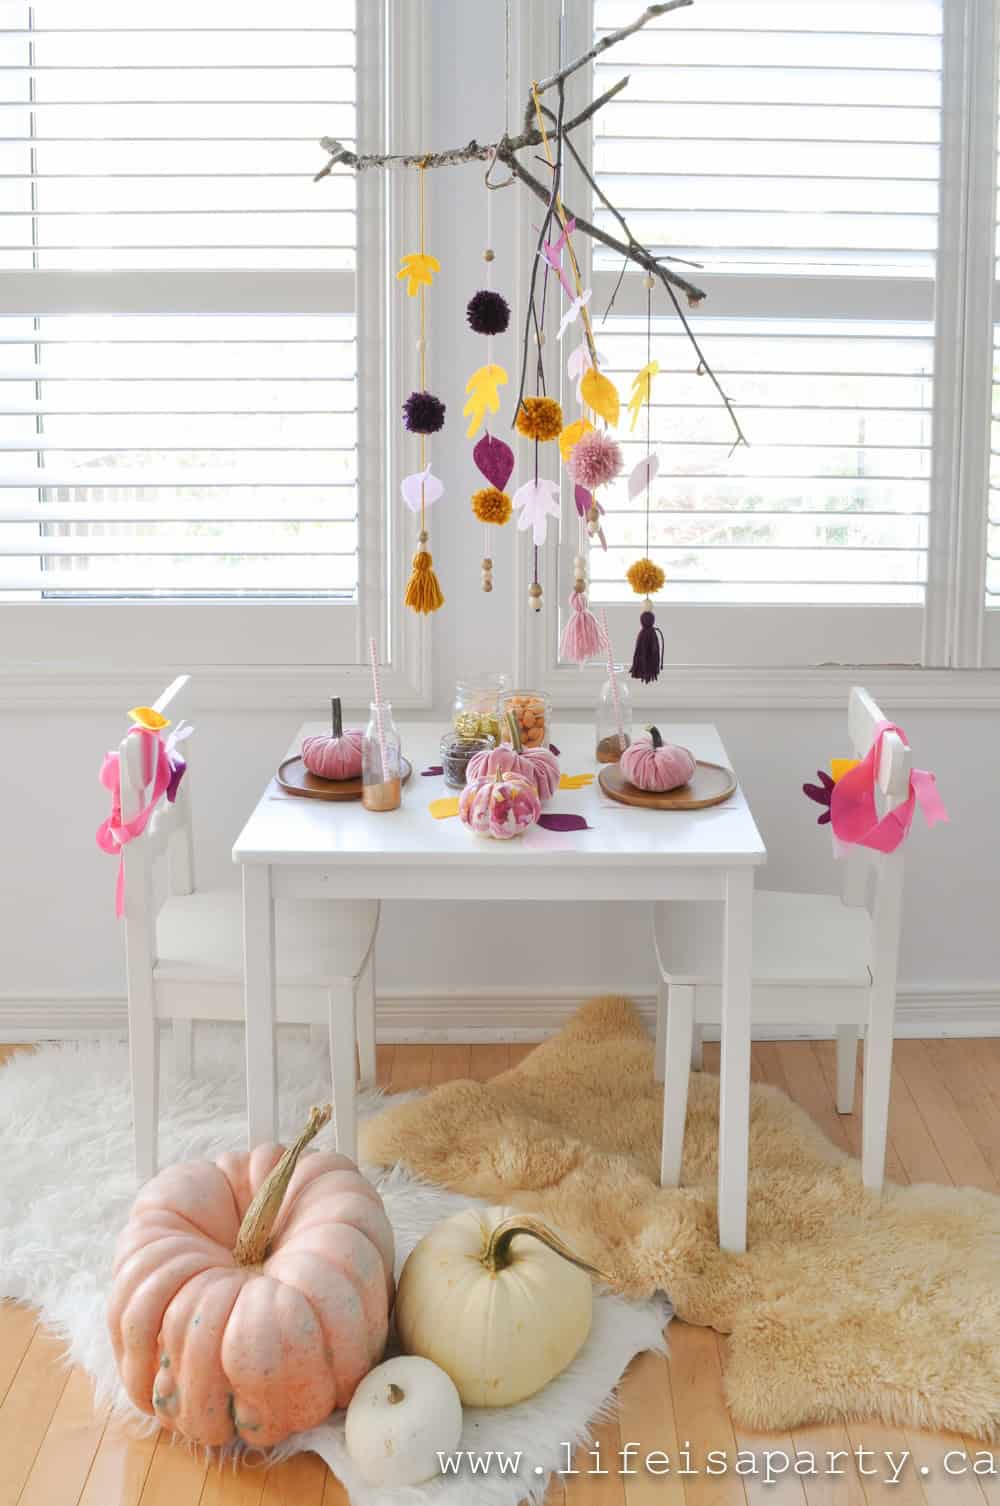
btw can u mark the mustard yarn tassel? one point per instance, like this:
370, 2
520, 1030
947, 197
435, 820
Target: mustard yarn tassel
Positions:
423, 590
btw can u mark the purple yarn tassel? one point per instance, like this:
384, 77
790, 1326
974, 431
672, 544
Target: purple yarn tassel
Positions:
647, 660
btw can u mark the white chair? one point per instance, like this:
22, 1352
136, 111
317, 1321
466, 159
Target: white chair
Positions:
184, 957
817, 959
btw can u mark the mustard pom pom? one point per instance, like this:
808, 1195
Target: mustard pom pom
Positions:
645, 578
539, 418
423, 591
491, 505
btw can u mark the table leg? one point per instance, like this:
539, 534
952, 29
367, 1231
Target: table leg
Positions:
259, 1003
734, 1086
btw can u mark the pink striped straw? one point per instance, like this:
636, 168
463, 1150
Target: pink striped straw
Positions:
615, 693
379, 722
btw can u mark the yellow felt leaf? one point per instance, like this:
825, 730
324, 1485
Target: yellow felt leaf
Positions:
417, 269
145, 716
571, 436
446, 806
841, 766
575, 781
601, 394
484, 396
641, 387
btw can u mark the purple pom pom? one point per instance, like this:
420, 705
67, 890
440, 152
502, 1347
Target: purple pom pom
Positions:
423, 413
488, 313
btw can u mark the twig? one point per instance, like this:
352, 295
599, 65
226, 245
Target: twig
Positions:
532, 312
611, 40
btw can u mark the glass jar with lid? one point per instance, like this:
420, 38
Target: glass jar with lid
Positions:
476, 708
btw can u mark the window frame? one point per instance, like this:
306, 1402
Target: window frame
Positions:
260, 653
907, 654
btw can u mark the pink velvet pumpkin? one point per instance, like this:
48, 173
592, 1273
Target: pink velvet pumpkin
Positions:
504, 805
337, 756
250, 1296
540, 765
651, 764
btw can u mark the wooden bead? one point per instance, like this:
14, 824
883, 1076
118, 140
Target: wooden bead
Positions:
539, 337
488, 254
649, 282
421, 346
535, 596
487, 575
579, 585
423, 536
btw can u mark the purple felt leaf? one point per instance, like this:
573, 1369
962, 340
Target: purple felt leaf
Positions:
563, 821
495, 460
435, 768
553, 750
583, 500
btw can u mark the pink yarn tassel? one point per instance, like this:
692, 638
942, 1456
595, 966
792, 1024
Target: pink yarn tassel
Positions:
581, 639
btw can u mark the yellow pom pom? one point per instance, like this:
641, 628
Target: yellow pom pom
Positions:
491, 505
645, 578
539, 418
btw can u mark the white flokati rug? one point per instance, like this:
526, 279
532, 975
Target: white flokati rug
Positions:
66, 1185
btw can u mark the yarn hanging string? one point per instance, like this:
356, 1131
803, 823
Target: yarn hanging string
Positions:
647, 656
423, 590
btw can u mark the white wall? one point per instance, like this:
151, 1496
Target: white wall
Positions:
57, 929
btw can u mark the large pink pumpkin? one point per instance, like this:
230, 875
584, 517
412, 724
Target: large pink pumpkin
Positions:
251, 1295
337, 756
536, 764
651, 764
502, 806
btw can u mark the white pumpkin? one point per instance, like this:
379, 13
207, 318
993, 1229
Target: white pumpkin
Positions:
402, 1416
498, 1301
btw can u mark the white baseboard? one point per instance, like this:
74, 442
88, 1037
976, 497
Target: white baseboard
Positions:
486, 1016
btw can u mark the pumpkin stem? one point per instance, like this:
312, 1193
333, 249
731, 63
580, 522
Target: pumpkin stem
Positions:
336, 717
515, 731
255, 1231
656, 737
395, 1394
497, 1253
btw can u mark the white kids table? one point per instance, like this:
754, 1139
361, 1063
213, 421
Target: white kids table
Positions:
299, 848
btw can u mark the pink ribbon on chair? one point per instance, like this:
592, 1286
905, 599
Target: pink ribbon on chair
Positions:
113, 833
854, 816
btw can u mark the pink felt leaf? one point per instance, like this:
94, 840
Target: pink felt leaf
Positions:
643, 474
495, 460
563, 821
411, 487
583, 500
537, 501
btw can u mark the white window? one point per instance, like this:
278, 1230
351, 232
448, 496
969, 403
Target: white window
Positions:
185, 318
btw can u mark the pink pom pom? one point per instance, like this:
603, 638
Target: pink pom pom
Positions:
596, 460
581, 639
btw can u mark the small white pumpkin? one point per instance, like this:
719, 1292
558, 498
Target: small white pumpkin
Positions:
496, 1299
402, 1416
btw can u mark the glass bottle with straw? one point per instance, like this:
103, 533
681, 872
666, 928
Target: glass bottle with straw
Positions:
614, 706
381, 751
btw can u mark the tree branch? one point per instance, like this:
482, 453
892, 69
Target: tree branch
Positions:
611, 40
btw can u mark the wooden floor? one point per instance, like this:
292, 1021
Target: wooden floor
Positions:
55, 1450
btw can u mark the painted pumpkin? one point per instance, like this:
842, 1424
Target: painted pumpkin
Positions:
538, 764
502, 806
496, 1299
651, 764
337, 756
404, 1416
250, 1297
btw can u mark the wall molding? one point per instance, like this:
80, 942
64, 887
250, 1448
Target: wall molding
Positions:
512, 1015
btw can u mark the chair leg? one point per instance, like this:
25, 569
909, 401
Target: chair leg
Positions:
660, 1049
343, 1035
697, 1055
847, 1067
680, 1024
144, 1066
876, 1090
183, 1034
366, 1023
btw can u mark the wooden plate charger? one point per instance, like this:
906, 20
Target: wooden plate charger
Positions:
710, 784
295, 779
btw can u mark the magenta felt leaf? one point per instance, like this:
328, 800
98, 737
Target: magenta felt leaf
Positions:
583, 499
563, 821
642, 474
435, 768
553, 750
495, 460
537, 501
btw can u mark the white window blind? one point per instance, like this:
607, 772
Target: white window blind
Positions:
178, 406
793, 150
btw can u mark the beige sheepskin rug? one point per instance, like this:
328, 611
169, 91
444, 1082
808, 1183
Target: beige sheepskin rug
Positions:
845, 1303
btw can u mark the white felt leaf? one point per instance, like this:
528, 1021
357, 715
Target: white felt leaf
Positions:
642, 474
537, 501
573, 312
410, 486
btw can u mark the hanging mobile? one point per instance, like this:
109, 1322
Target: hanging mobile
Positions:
423, 414
488, 313
645, 576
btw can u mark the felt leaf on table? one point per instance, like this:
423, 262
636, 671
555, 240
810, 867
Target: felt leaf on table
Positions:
601, 394
553, 750
495, 460
484, 396
443, 808
571, 436
434, 768
563, 821
421, 481
537, 501
552, 252
641, 387
417, 270
642, 474
584, 500
575, 781
573, 312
